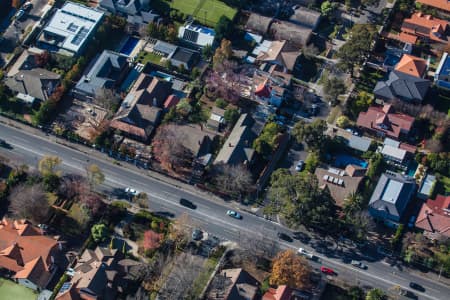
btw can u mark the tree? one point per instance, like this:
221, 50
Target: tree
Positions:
222, 53
168, 147
16, 3
184, 108
232, 179
300, 200
353, 204
327, 8
333, 87
223, 28
30, 202
42, 59
312, 134
141, 199
99, 232
357, 48
361, 103
94, 175
48, 164
152, 240
290, 269
207, 52
107, 99
375, 294
231, 115
312, 161
267, 141
342, 121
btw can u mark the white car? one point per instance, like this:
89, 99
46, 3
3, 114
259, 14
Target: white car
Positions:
299, 166
131, 191
305, 253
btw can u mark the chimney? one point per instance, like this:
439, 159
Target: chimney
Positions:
155, 102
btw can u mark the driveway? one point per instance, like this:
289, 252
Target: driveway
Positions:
16, 30
295, 153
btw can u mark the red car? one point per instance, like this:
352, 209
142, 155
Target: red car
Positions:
327, 271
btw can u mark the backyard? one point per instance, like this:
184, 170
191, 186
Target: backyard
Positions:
207, 12
145, 57
12, 290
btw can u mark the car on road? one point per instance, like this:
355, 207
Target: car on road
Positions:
187, 203
358, 264
303, 237
326, 270
299, 166
234, 214
416, 286
20, 13
5, 144
304, 253
285, 237
407, 294
131, 191
27, 5
197, 234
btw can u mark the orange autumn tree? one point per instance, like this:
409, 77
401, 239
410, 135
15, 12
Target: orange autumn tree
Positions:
290, 269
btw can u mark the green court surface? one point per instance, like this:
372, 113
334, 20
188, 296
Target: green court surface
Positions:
11, 290
207, 12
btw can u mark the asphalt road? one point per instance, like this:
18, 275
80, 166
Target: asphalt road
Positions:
210, 214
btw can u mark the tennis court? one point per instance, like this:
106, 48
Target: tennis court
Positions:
207, 12
11, 290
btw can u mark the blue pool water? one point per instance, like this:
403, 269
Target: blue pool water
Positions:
342, 160
129, 46
412, 167
162, 75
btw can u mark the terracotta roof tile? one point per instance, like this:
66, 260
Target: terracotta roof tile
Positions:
426, 26
441, 4
434, 216
412, 65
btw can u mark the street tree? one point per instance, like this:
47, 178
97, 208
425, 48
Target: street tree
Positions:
99, 232
300, 200
30, 202
327, 8
94, 175
48, 164
375, 294
312, 134
141, 200
333, 87
290, 269
343, 121
232, 179
312, 161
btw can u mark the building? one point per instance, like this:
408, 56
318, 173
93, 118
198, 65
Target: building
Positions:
237, 149
141, 109
442, 74
383, 121
426, 187
70, 29
305, 17
412, 65
164, 49
426, 27
216, 119
402, 86
196, 35
397, 152
391, 196
236, 284
98, 274
280, 53
439, 4
340, 183
283, 292
184, 58
434, 217
27, 254
258, 24
295, 34
360, 143
128, 7
106, 72
35, 84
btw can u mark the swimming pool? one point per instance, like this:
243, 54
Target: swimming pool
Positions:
161, 75
412, 167
342, 160
129, 46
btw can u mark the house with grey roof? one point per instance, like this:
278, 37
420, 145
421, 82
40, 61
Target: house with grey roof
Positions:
402, 86
141, 109
33, 84
257, 23
107, 71
391, 197
305, 17
237, 149
137, 12
184, 58
295, 34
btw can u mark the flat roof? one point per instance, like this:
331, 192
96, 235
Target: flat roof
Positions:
73, 24
393, 152
427, 184
391, 191
444, 65
359, 143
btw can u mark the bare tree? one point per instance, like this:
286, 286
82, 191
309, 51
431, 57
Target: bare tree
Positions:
94, 175
107, 99
30, 202
232, 179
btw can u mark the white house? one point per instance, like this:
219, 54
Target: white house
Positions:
196, 34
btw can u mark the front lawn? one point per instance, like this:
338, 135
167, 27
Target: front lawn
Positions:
12, 290
207, 12
368, 79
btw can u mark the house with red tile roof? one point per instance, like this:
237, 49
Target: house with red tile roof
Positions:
434, 217
426, 27
412, 65
439, 4
383, 121
283, 292
27, 253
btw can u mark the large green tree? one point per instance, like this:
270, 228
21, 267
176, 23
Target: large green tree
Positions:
300, 200
311, 133
333, 87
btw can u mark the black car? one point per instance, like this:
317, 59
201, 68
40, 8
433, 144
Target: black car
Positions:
416, 286
408, 294
197, 234
284, 236
187, 203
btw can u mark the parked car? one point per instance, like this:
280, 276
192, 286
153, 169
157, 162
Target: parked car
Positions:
284, 236
187, 203
416, 286
408, 294
327, 270
27, 5
358, 264
300, 165
19, 14
131, 191
197, 234
234, 214
305, 253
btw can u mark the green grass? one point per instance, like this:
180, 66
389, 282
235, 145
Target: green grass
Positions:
207, 12
145, 57
12, 290
442, 186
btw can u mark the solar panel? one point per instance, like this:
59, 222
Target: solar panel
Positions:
80, 36
72, 27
